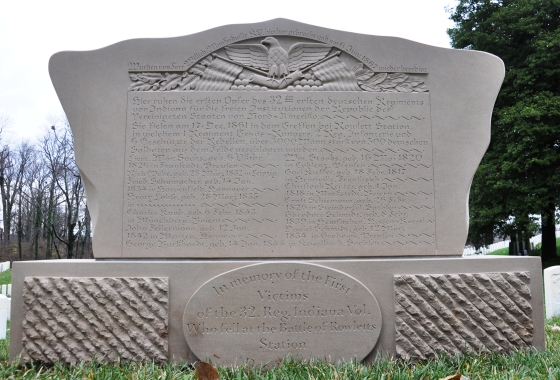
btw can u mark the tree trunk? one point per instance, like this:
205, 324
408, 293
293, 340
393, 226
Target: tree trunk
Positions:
28, 226
20, 227
71, 241
513, 244
6, 210
87, 221
37, 227
49, 222
70, 235
548, 225
7, 228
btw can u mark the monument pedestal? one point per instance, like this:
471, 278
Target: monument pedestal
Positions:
71, 310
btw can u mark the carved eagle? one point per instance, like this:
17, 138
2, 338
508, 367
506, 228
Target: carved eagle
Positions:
275, 60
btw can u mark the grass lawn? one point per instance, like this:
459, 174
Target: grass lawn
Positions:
500, 252
523, 364
6, 277
505, 251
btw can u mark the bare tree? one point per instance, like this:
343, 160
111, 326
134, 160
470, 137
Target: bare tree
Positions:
58, 150
33, 195
24, 154
43, 200
5, 121
12, 168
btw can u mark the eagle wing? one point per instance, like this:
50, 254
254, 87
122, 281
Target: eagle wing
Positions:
304, 54
253, 55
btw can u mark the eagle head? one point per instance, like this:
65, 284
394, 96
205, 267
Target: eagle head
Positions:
271, 42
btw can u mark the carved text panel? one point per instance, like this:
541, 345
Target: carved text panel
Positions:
278, 173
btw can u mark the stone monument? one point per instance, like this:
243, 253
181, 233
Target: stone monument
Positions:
552, 291
271, 190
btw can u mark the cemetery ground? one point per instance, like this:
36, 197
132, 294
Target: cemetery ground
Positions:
523, 364
534, 252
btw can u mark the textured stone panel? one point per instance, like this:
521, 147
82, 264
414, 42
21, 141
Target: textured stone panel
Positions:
72, 319
460, 313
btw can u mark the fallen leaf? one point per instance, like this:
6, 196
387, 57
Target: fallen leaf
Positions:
455, 377
270, 365
205, 371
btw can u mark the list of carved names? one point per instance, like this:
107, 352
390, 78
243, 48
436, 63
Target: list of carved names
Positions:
278, 171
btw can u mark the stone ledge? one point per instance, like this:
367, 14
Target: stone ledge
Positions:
187, 276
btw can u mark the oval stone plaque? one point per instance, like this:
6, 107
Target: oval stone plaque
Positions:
263, 312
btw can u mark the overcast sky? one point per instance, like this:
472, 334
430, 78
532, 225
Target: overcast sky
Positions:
30, 32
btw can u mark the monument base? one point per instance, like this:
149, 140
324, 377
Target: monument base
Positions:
72, 310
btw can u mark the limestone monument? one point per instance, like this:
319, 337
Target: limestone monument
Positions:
276, 189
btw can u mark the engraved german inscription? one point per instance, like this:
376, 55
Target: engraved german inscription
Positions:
267, 173
267, 311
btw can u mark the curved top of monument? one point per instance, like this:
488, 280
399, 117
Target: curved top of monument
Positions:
277, 139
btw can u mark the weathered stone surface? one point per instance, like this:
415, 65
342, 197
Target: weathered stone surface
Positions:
459, 313
186, 276
277, 139
551, 277
72, 319
268, 141
265, 312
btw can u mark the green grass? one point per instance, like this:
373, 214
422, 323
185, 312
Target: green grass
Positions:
505, 251
523, 364
501, 252
6, 277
